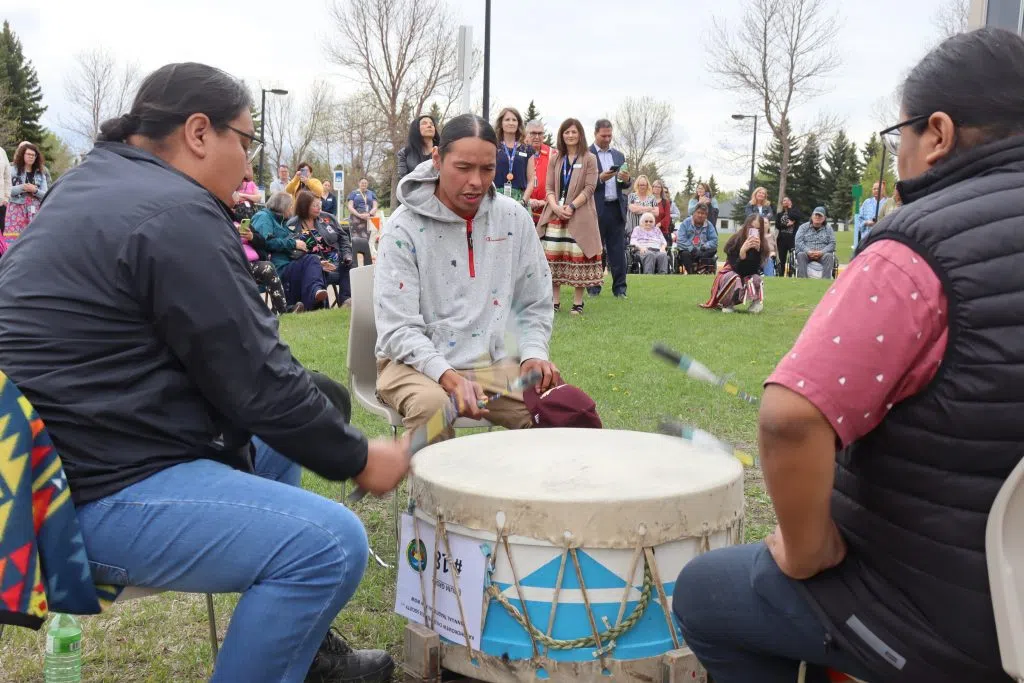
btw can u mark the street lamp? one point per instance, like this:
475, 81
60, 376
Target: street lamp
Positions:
487, 60
263, 121
753, 151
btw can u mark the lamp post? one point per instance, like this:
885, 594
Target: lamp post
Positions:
487, 59
263, 122
753, 150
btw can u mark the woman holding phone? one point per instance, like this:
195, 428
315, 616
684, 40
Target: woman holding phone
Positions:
739, 281
304, 180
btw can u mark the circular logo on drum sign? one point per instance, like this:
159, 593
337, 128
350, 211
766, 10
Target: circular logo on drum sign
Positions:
416, 554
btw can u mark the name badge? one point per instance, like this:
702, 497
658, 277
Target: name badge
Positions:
522, 154
577, 165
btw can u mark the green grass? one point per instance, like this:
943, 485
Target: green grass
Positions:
606, 352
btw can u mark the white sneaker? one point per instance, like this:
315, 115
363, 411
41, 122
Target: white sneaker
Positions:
728, 309
756, 307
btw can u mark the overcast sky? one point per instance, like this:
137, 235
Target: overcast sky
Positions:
608, 50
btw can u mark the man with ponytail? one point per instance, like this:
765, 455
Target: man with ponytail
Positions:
181, 418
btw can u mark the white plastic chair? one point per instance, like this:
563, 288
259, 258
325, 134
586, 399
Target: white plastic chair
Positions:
362, 361
1004, 551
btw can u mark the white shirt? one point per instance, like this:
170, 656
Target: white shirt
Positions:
277, 186
611, 190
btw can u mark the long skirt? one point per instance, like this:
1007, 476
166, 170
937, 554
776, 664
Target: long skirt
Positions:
17, 220
729, 289
569, 265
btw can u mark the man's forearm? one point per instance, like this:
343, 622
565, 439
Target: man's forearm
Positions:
797, 448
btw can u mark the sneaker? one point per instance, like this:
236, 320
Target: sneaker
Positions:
297, 308
337, 662
756, 307
728, 309
320, 296
620, 296
594, 291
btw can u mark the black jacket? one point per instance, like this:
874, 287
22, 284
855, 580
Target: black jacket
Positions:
146, 343
794, 215
912, 498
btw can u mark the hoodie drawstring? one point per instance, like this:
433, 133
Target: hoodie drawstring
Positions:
469, 243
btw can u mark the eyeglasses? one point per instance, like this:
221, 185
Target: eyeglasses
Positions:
255, 144
891, 136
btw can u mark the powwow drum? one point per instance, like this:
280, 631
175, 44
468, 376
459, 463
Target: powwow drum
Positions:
587, 531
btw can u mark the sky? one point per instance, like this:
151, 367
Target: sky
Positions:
608, 50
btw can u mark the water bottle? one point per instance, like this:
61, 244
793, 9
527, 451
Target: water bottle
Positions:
63, 650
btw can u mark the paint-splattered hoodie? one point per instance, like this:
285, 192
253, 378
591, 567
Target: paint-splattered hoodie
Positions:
446, 289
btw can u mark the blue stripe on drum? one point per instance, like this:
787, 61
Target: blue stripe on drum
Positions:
596, 575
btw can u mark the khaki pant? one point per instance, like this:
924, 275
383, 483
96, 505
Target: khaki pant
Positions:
417, 397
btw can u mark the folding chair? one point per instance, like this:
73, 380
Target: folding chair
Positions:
362, 361
1004, 552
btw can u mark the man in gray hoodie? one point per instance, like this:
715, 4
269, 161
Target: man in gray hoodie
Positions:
457, 266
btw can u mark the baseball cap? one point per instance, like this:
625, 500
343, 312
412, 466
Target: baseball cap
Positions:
819, 209
562, 406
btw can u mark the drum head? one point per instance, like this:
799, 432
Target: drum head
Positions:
600, 485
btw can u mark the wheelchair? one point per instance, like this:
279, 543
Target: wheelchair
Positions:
633, 263
706, 265
813, 273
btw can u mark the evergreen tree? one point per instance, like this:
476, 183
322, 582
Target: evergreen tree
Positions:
712, 186
841, 173
435, 111
768, 171
872, 149
806, 186
24, 104
691, 186
739, 206
682, 201
531, 113
872, 170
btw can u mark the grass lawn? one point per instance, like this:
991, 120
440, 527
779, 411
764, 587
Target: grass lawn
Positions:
606, 352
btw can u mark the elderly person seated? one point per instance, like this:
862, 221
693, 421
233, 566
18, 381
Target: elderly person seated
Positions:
300, 271
697, 240
815, 243
326, 240
650, 245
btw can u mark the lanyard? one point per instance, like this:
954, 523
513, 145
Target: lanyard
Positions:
567, 167
511, 155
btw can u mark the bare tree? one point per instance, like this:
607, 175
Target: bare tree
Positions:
776, 59
401, 51
309, 126
951, 18
98, 88
279, 118
362, 136
643, 126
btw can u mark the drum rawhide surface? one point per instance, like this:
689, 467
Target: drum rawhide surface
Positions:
586, 531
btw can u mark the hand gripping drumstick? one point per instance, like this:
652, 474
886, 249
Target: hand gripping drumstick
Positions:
698, 370
699, 437
440, 421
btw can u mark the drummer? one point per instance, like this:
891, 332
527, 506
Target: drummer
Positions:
459, 265
911, 364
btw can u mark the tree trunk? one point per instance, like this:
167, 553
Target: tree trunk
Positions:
784, 168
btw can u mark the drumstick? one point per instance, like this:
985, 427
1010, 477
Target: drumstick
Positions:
699, 371
527, 381
440, 421
699, 437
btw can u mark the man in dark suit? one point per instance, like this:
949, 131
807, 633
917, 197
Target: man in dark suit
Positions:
610, 197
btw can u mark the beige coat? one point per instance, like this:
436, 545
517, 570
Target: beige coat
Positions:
583, 225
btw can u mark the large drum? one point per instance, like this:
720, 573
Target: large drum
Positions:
588, 530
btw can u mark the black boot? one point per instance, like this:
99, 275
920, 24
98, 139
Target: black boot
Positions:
337, 662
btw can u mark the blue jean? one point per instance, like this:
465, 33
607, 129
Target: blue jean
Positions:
769, 268
302, 278
747, 621
204, 527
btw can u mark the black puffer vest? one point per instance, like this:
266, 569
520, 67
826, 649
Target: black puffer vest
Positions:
912, 497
